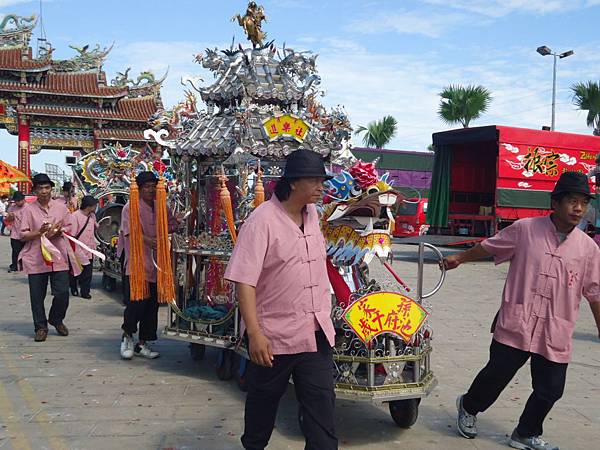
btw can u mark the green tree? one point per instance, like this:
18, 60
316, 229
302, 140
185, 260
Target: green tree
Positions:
378, 133
461, 104
586, 96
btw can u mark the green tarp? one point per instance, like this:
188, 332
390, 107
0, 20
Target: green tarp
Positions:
439, 194
422, 162
520, 198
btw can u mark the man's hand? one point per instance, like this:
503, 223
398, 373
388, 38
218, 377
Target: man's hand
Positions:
45, 227
260, 350
452, 262
150, 242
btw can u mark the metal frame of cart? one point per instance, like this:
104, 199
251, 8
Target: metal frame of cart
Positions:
403, 397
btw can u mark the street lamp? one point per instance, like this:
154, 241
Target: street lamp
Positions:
545, 51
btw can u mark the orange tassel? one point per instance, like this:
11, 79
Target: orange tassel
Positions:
164, 276
259, 190
227, 208
138, 288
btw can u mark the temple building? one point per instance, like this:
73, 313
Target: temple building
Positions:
68, 104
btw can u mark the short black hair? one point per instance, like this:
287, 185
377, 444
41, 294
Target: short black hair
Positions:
88, 201
283, 189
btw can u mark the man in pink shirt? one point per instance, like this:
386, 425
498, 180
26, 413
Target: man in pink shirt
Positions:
83, 225
49, 218
14, 219
143, 312
278, 266
552, 265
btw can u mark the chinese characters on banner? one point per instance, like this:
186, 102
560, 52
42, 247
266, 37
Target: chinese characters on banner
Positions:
539, 160
286, 126
385, 312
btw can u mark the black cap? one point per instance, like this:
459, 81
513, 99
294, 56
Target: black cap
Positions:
87, 201
41, 178
67, 186
572, 183
145, 177
305, 164
18, 196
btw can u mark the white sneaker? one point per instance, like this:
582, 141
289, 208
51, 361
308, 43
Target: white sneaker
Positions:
145, 351
127, 347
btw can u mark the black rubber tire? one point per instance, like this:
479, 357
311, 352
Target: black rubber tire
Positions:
405, 412
197, 351
109, 284
225, 369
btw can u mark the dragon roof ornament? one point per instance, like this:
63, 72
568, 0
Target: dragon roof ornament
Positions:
146, 82
15, 31
85, 60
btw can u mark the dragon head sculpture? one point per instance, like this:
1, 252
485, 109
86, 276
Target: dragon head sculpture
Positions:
357, 218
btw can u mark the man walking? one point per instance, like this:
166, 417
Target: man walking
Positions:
278, 266
46, 219
142, 312
15, 212
552, 265
83, 225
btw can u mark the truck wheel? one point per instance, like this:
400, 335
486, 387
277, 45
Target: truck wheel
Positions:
225, 365
405, 412
197, 351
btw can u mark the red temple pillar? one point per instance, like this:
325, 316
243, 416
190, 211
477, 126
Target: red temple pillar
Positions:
23, 151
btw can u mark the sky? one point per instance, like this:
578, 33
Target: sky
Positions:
376, 58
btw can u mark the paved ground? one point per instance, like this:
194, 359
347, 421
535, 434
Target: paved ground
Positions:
76, 393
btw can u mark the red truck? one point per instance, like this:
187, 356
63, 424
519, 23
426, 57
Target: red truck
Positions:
484, 178
410, 218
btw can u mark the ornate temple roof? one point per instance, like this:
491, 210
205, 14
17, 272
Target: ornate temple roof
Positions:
21, 59
109, 134
137, 109
219, 135
257, 73
74, 84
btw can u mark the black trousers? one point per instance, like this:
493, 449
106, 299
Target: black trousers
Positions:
548, 380
16, 245
144, 312
84, 279
313, 380
59, 287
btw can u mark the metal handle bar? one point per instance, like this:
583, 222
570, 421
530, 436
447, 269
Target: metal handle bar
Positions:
438, 286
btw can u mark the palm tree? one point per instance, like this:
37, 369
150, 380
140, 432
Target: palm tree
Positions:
586, 96
461, 104
379, 133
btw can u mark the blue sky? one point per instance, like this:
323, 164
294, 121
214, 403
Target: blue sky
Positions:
375, 57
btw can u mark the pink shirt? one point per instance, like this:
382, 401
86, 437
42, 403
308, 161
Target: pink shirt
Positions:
78, 221
148, 222
32, 219
545, 283
15, 228
287, 268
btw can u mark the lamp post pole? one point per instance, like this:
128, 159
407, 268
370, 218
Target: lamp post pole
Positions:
554, 94
545, 51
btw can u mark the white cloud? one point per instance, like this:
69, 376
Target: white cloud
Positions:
500, 8
408, 22
7, 3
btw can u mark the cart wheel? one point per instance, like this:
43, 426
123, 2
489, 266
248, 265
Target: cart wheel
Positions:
405, 412
225, 365
240, 373
197, 351
108, 283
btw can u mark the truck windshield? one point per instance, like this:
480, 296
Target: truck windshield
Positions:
407, 209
